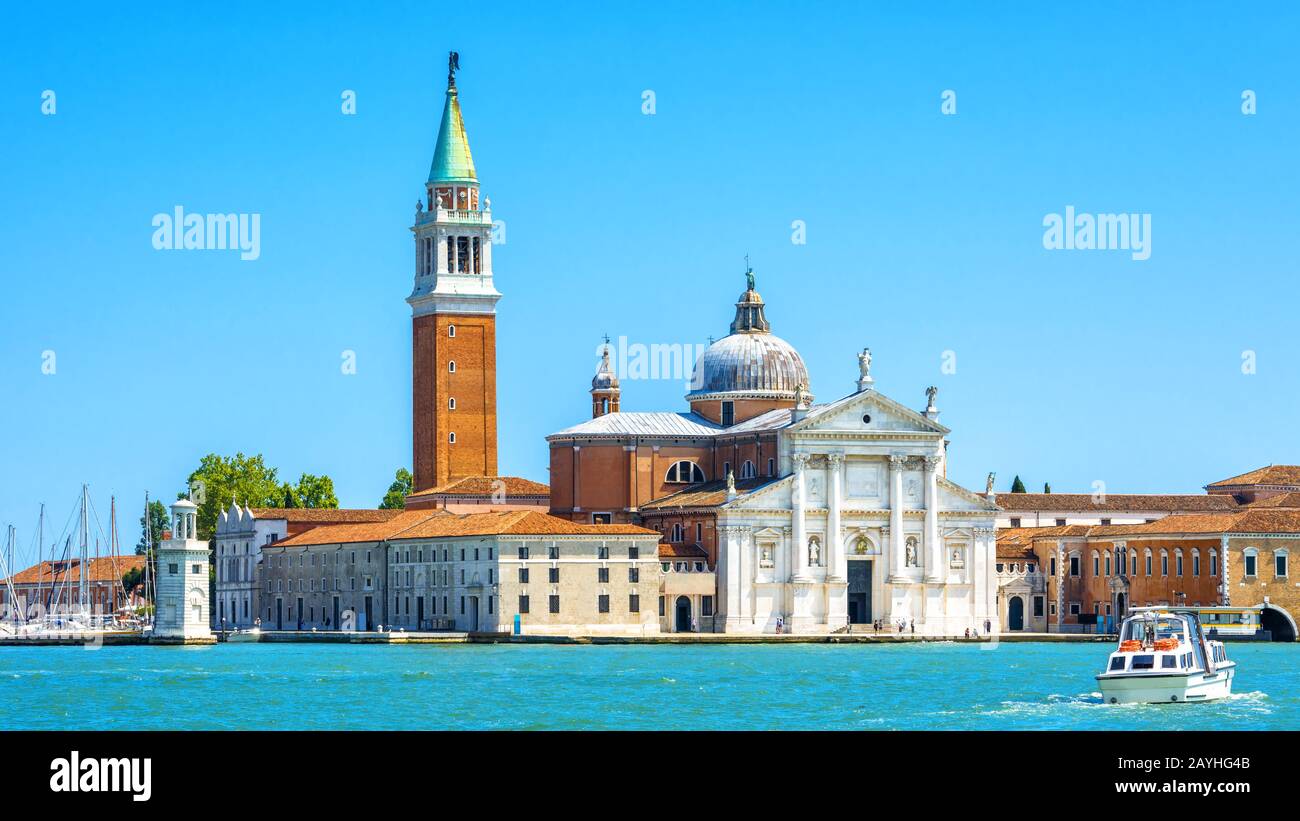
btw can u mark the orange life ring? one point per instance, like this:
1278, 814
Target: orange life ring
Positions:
1166, 644
1130, 646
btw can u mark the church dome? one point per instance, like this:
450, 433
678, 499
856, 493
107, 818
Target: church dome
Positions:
755, 364
751, 362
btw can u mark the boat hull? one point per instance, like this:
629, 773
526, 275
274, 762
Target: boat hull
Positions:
244, 636
1167, 688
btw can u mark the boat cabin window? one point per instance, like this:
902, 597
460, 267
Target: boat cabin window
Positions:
1168, 662
1117, 663
1143, 663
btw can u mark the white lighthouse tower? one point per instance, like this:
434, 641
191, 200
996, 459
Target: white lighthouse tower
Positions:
183, 581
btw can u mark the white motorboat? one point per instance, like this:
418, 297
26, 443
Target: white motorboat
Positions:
1164, 656
251, 634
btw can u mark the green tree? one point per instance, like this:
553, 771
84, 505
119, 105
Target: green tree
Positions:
1047, 487
158, 522
1017, 486
315, 491
395, 498
290, 498
221, 479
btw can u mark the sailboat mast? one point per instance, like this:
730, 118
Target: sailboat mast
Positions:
40, 552
83, 580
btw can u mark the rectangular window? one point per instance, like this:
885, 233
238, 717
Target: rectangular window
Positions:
1060, 523
661, 607
634, 574
602, 552
523, 553
462, 605
1214, 564
175, 569
1053, 566
634, 552
1250, 564
1074, 608
1105, 521
523, 575
602, 575
728, 414
1038, 605
706, 605
490, 603
1164, 564
1279, 564
1051, 608
602, 603
523, 604
552, 552
1096, 566
1117, 663
633, 603
554, 603
553, 575
1074, 565
1015, 522
1148, 564
699, 532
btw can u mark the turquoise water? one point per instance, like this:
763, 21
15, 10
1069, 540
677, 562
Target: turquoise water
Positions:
662, 687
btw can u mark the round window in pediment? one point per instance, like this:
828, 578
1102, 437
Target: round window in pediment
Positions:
866, 419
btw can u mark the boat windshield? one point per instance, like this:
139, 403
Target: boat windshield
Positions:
1149, 630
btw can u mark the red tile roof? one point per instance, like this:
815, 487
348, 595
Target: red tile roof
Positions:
1280, 500
706, 494
1135, 502
440, 524
102, 569
324, 515
1271, 475
681, 551
488, 485
1267, 520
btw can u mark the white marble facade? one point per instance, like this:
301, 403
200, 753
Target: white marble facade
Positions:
862, 524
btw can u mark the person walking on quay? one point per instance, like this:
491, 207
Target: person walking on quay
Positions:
913, 627
695, 627
988, 626
967, 632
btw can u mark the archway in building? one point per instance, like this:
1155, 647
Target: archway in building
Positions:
682, 609
1277, 622
1016, 613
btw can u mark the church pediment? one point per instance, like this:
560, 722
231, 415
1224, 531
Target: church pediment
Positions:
847, 415
954, 497
772, 496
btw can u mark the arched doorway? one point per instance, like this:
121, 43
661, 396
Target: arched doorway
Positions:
682, 609
1277, 622
1016, 613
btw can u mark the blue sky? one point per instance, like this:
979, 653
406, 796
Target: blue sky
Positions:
924, 231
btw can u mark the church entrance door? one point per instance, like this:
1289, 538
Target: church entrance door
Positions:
683, 611
1016, 613
859, 591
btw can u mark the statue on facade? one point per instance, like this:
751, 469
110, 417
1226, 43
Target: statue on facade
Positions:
988, 483
930, 393
864, 369
749, 279
910, 553
814, 552
731, 482
419, 206
798, 397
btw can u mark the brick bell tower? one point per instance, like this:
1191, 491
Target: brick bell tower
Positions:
453, 314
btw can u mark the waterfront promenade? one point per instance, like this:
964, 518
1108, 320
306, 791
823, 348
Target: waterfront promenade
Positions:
444, 637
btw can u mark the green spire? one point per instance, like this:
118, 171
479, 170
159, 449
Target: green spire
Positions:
452, 161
